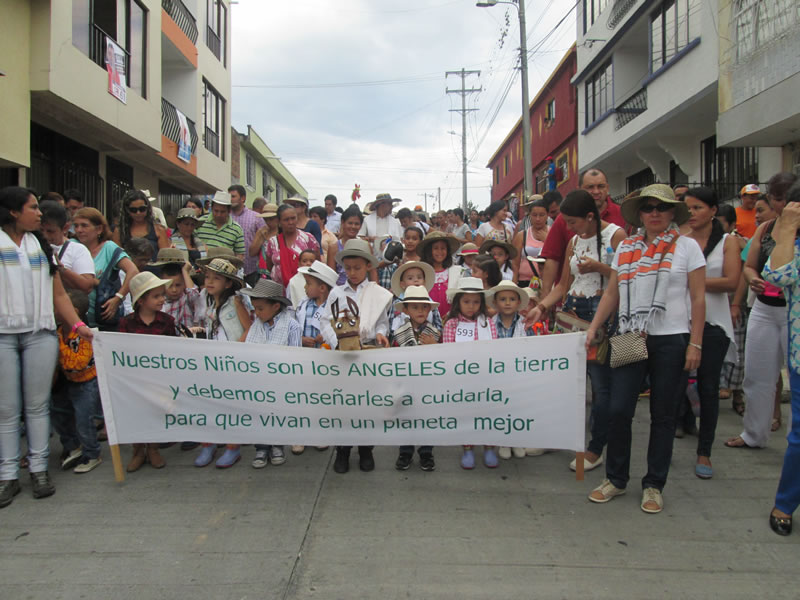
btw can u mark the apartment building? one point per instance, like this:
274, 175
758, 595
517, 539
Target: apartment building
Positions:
109, 95
648, 90
759, 78
255, 166
554, 132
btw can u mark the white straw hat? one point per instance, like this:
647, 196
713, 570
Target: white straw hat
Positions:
144, 282
321, 271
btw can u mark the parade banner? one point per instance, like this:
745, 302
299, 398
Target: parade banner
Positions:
184, 137
527, 392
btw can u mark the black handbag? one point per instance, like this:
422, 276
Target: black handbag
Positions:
108, 287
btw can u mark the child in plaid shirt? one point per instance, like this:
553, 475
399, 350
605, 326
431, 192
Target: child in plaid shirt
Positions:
182, 293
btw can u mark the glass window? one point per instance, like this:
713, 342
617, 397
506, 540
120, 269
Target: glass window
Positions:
264, 183
550, 113
591, 12
137, 47
214, 121
251, 171
81, 20
217, 18
598, 93
669, 30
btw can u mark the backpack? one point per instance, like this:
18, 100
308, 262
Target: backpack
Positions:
108, 287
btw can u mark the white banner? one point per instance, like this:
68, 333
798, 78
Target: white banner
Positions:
527, 392
185, 138
115, 65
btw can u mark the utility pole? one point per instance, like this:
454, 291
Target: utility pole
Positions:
439, 197
425, 195
463, 110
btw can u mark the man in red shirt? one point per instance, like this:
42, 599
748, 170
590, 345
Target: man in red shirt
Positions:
594, 181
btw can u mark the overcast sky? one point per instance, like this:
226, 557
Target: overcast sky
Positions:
353, 91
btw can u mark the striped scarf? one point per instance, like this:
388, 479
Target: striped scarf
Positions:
17, 308
643, 278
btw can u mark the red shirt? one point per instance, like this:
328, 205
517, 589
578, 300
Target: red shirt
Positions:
555, 245
163, 324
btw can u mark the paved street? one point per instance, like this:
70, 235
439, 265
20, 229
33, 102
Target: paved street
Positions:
299, 530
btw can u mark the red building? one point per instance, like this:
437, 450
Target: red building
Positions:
554, 132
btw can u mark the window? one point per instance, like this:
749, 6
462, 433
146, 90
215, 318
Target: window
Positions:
639, 180
264, 183
137, 47
250, 165
550, 111
214, 121
216, 26
279, 195
599, 93
497, 174
562, 162
757, 22
727, 169
505, 165
669, 31
591, 12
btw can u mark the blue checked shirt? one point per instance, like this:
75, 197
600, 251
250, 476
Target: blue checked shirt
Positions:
308, 329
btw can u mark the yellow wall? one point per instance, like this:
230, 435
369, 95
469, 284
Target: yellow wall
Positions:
15, 106
725, 100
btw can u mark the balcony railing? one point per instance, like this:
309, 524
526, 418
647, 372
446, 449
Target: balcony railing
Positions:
211, 139
214, 43
618, 12
182, 17
171, 127
631, 108
97, 50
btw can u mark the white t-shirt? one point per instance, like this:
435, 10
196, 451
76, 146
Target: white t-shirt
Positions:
76, 258
488, 232
675, 319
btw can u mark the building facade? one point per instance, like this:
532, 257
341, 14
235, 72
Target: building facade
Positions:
649, 92
116, 94
554, 131
256, 167
759, 78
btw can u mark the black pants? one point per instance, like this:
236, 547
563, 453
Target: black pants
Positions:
422, 450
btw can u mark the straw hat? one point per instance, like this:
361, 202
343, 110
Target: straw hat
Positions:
427, 270
658, 191
438, 236
222, 198
295, 199
269, 211
187, 213
225, 268
220, 252
381, 198
508, 286
319, 270
170, 256
266, 289
466, 285
356, 248
488, 244
467, 249
144, 282
532, 198
417, 294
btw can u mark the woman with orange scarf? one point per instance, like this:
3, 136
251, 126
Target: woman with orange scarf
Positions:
651, 274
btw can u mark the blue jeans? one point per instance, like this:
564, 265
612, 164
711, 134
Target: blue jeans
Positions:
85, 398
666, 359
788, 497
27, 363
599, 374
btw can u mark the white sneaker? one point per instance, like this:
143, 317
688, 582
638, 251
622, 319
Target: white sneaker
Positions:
504, 452
87, 464
276, 455
298, 449
535, 451
260, 461
518, 452
605, 492
587, 466
652, 501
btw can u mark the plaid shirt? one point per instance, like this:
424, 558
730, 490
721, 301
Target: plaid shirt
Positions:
449, 331
250, 222
385, 276
183, 309
513, 331
308, 329
163, 324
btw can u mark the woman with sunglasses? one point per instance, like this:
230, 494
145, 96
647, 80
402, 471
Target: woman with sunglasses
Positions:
137, 221
653, 273
765, 352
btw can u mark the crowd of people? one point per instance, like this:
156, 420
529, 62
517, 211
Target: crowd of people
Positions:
683, 298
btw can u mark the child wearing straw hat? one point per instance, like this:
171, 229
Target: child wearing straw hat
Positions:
148, 294
503, 253
417, 304
182, 293
408, 274
467, 321
273, 325
225, 318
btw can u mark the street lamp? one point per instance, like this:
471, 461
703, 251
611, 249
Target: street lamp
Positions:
527, 188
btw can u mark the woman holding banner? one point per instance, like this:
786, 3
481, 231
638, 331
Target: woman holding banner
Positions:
652, 272
31, 295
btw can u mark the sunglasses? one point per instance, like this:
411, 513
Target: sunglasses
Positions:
661, 207
137, 209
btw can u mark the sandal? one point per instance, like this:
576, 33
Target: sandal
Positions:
776, 424
737, 403
738, 442
724, 394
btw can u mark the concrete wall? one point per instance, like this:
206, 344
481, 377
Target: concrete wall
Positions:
15, 104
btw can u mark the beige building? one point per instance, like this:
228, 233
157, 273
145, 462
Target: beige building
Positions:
255, 166
98, 94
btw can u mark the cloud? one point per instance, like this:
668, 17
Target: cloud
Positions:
388, 138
